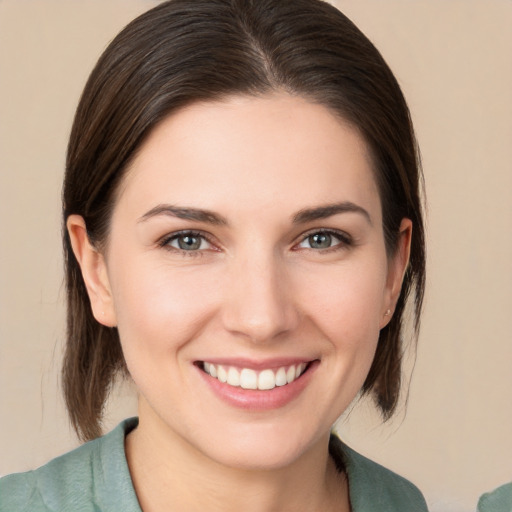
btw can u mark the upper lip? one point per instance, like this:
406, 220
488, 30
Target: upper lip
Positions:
260, 364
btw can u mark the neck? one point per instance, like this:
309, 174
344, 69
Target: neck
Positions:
170, 474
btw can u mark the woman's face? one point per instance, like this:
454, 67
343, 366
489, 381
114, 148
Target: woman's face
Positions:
247, 244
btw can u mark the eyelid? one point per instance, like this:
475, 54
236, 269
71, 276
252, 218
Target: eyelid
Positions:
344, 238
164, 242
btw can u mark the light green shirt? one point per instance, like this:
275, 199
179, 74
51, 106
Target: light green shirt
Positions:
499, 500
95, 478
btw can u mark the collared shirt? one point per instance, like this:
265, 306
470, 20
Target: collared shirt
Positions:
499, 500
95, 478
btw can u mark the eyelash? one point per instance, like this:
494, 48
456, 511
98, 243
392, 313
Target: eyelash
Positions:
166, 241
344, 239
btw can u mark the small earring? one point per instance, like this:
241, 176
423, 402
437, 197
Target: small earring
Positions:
388, 312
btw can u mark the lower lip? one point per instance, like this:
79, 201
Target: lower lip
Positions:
257, 400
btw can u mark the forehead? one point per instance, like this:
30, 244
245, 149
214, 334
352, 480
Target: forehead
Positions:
254, 151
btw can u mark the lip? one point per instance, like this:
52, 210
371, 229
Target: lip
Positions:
271, 364
253, 399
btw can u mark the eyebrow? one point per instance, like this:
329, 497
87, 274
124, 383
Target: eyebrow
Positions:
209, 217
323, 212
186, 213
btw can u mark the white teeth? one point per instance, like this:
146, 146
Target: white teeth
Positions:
281, 377
266, 380
247, 378
222, 374
300, 369
233, 377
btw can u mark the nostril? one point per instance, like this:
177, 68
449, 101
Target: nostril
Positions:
258, 307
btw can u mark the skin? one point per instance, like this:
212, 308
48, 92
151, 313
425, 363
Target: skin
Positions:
255, 288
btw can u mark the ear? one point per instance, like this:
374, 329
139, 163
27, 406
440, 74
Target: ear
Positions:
94, 272
397, 267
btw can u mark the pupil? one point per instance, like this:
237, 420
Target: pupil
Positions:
320, 240
189, 242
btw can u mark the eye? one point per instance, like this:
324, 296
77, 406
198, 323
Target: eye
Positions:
324, 240
188, 241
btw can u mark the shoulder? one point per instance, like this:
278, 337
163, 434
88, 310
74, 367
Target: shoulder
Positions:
82, 479
373, 487
499, 500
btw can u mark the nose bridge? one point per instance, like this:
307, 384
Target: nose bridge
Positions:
258, 304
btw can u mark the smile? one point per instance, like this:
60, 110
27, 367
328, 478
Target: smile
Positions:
247, 378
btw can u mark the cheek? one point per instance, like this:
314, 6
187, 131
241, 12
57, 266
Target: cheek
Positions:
347, 312
159, 309
343, 306
347, 301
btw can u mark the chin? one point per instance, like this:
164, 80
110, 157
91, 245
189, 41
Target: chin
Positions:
269, 447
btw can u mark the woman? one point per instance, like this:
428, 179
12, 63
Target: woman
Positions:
243, 230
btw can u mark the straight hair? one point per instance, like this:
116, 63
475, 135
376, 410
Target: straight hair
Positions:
186, 51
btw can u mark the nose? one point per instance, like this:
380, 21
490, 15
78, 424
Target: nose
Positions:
258, 301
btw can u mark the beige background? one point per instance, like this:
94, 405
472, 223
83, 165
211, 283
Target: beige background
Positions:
453, 59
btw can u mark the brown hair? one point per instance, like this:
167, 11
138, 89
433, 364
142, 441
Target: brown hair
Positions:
185, 51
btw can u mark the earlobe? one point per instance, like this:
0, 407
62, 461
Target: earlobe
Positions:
94, 271
396, 271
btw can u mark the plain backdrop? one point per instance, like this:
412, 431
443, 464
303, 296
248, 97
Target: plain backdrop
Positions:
453, 59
